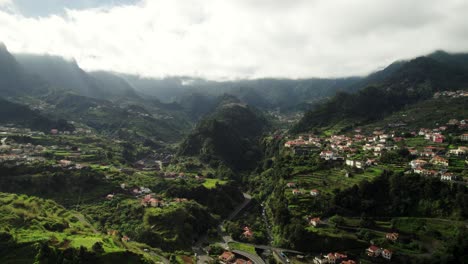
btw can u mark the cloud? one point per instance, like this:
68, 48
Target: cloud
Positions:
243, 38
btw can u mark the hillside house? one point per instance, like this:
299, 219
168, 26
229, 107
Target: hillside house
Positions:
227, 257
438, 138
296, 192
349, 261
291, 185
243, 261
320, 260
459, 151
65, 163
335, 257
464, 137
453, 122
315, 192
417, 163
315, 221
373, 251
327, 155
438, 160
447, 176
247, 233
387, 254
392, 236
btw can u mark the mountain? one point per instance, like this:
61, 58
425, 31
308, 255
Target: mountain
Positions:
230, 135
13, 78
265, 93
413, 81
60, 90
60, 73
458, 60
23, 116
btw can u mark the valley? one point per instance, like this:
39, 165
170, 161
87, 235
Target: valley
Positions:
101, 167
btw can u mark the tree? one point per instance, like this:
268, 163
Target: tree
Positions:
337, 220
97, 248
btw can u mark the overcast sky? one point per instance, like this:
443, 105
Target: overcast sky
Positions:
219, 39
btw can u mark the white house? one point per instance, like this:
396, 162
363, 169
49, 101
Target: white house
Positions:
387, 254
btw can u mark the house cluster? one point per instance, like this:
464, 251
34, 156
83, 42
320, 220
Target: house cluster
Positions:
435, 167
340, 147
19, 154
332, 258
433, 135
458, 124
229, 257
451, 94
375, 251
147, 197
149, 201
295, 191
9, 129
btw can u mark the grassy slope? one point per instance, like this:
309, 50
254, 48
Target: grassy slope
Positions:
31, 220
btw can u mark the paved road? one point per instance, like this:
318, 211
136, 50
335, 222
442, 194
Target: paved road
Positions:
202, 256
256, 259
247, 199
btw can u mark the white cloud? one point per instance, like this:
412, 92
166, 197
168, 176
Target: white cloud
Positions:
243, 38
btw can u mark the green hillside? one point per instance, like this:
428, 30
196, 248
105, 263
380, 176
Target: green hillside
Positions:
41, 231
229, 135
414, 81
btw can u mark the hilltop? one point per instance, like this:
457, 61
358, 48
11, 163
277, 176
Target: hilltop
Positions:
410, 82
229, 135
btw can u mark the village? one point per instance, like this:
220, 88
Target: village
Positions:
439, 152
433, 155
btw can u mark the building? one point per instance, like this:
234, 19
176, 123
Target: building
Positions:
373, 251
226, 257
247, 232
392, 236
314, 192
296, 192
438, 160
320, 260
459, 151
65, 163
243, 261
291, 184
417, 163
447, 176
315, 221
464, 137
438, 138
387, 254
348, 262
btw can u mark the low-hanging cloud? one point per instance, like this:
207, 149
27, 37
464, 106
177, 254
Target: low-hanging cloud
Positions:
242, 38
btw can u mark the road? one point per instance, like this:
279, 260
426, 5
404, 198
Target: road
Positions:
255, 258
202, 256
